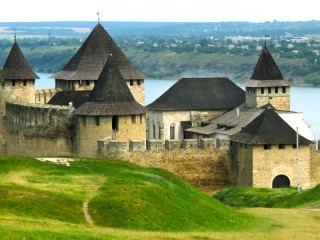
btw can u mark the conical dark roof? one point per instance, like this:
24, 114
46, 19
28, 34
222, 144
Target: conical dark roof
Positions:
110, 95
92, 56
200, 94
268, 128
16, 67
266, 68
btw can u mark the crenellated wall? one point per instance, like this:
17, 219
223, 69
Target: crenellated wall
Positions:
39, 130
44, 95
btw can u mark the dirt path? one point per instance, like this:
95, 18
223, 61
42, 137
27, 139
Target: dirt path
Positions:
86, 213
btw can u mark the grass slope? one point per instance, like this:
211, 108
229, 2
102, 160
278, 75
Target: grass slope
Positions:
261, 197
120, 195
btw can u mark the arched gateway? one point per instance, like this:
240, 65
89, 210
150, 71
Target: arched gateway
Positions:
281, 181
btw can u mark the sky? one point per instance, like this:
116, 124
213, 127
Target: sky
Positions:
159, 11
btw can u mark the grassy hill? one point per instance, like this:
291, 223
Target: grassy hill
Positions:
43, 200
276, 198
120, 195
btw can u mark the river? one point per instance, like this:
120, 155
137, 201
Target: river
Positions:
303, 99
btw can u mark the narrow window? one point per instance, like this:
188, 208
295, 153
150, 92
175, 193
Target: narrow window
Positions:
24, 82
115, 123
138, 82
262, 90
294, 145
84, 121
88, 82
284, 89
13, 83
141, 118
172, 132
269, 89
159, 132
154, 131
131, 82
282, 146
267, 147
133, 119
254, 90
80, 82
276, 90
97, 120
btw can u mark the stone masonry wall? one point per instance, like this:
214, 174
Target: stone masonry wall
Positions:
39, 130
267, 164
43, 96
315, 167
206, 168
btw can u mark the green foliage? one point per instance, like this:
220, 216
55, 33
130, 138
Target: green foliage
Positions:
120, 195
262, 197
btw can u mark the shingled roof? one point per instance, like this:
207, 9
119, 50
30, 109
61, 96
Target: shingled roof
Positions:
63, 98
16, 67
110, 95
200, 94
266, 68
92, 56
268, 128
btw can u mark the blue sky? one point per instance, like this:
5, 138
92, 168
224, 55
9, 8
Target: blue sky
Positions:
160, 10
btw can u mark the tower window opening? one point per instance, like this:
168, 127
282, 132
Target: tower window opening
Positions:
269, 89
267, 146
284, 89
24, 82
262, 90
138, 82
115, 123
131, 82
97, 120
88, 82
13, 83
276, 90
80, 82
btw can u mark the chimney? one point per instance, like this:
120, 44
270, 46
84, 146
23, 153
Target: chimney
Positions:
238, 112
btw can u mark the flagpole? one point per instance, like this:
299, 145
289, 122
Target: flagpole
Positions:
297, 162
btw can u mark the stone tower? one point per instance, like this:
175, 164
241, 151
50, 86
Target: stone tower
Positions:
267, 85
84, 68
111, 112
17, 86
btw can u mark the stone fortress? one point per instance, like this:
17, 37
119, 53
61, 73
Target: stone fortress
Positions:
207, 130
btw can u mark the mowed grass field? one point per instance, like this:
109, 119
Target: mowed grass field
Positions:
44, 200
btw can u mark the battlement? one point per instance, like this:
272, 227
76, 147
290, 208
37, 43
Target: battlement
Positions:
111, 146
43, 96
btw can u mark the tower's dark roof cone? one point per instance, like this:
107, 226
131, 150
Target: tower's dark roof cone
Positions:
16, 66
266, 68
110, 95
92, 56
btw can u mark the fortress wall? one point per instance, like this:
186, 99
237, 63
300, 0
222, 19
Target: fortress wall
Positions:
43, 96
315, 168
39, 130
3, 135
206, 169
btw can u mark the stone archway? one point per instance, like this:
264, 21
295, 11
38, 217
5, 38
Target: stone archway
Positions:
281, 181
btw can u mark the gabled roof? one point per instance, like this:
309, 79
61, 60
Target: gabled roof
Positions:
92, 56
200, 94
268, 128
16, 66
63, 98
110, 95
266, 68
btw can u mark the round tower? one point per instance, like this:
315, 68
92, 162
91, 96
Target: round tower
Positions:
17, 86
111, 112
267, 85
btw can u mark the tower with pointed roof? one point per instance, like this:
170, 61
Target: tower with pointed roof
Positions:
110, 112
84, 68
267, 85
17, 85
